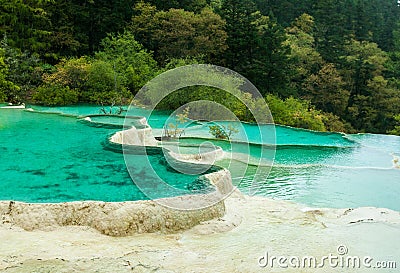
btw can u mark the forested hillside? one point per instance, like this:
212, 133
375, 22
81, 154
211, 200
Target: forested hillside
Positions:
324, 65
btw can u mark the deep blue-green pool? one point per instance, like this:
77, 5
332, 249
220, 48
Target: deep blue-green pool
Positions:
52, 158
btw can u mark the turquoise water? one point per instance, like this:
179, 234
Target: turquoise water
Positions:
53, 158
325, 169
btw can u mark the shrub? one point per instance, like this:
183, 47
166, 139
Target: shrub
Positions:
52, 95
334, 124
2, 96
396, 130
296, 113
223, 132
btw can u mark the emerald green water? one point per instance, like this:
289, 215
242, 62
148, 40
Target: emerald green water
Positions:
54, 158
326, 170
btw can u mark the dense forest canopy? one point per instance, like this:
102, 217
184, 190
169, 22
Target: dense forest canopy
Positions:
324, 65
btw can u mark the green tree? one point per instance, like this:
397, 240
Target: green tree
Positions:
24, 70
222, 131
67, 37
296, 113
177, 33
55, 94
5, 85
326, 90
375, 111
132, 64
103, 86
25, 23
370, 93
72, 73
396, 130
189, 5
172, 130
242, 33
332, 28
363, 61
305, 60
285, 10
270, 69
64, 84
334, 123
393, 65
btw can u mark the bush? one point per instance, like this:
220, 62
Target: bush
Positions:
334, 124
296, 113
103, 85
2, 96
223, 132
52, 95
72, 73
218, 132
396, 130
127, 58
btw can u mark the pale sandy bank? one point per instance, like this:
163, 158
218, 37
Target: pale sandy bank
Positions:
232, 243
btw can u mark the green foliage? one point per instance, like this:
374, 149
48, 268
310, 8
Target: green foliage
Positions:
26, 24
392, 72
241, 41
374, 113
2, 96
190, 5
202, 74
373, 102
183, 117
53, 95
177, 33
238, 101
252, 109
204, 110
133, 65
72, 73
334, 123
326, 90
175, 63
305, 60
6, 87
97, 81
396, 130
223, 132
103, 85
109, 98
331, 28
271, 65
218, 132
23, 72
296, 113
256, 47
343, 57
173, 130
77, 27
364, 60
101, 78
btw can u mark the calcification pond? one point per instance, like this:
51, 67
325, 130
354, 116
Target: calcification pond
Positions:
64, 154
